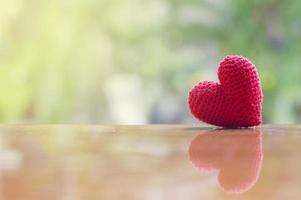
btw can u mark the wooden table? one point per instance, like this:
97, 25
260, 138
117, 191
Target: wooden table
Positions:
73, 162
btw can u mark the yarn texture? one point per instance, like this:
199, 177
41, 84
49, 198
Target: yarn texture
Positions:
234, 102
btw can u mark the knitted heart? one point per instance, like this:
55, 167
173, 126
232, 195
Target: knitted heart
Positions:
236, 156
235, 101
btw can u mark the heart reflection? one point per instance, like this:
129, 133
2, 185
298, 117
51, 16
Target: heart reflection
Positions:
235, 154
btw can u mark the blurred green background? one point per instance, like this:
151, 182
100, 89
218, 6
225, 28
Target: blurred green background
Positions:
134, 61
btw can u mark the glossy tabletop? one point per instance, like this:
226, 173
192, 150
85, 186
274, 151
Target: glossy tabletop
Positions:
74, 162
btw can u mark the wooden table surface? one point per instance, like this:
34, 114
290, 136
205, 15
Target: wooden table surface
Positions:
73, 162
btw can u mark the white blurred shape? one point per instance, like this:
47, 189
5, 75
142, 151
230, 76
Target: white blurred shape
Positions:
10, 160
125, 99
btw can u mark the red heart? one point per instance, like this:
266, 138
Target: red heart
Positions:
235, 102
235, 155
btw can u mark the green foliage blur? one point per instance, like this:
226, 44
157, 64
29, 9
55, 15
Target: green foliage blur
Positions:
134, 61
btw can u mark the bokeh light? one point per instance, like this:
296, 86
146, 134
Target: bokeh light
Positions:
134, 61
